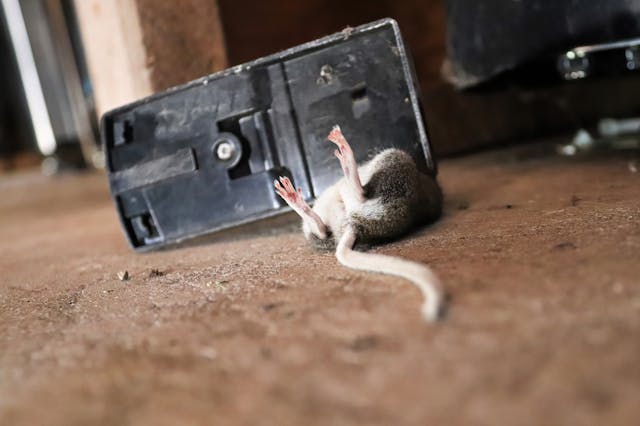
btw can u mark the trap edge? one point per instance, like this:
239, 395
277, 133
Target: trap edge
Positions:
202, 157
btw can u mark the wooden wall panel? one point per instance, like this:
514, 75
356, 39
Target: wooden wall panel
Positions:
114, 52
183, 40
137, 47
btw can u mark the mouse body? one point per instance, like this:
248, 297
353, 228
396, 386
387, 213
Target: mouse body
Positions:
397, 198
376, 202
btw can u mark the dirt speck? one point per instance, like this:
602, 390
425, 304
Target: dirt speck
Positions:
567, 245
270, 306
463, 205
155, 273
364, 343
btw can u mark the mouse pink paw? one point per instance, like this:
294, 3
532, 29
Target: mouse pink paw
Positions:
338, 138
347, 162
336, 135
293, 197
295, 200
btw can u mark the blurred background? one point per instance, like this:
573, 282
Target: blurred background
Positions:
491, 72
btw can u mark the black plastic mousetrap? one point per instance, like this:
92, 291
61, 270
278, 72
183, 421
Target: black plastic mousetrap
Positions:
202, 157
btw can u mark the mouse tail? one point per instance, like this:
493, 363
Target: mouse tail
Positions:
420, 275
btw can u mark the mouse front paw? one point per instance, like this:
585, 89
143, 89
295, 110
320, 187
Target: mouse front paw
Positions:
292, 196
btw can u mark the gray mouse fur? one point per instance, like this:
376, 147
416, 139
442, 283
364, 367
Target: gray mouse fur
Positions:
407, 199
381, 200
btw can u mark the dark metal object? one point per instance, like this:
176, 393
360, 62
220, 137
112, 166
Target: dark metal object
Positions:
487, 38
600, 59
202, 157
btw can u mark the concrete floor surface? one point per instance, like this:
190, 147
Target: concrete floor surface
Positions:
540, 256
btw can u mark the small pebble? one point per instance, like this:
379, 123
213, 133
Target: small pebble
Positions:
155, 273
123, 275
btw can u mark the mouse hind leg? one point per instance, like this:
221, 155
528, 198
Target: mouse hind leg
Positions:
293, 197
353, 194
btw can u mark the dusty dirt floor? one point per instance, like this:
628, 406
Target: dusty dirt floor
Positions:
540, 256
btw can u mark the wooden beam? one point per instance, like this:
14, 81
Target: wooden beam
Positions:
115, 55
136, 47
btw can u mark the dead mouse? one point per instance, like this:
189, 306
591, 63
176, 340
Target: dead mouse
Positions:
381, 200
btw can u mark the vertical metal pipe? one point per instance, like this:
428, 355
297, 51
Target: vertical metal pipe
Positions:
29, 75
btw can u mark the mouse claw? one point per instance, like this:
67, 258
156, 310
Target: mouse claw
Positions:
285, 189
287, 184
279, 190
336, 135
